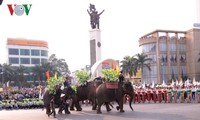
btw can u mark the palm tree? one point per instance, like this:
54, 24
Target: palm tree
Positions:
128, 66
39, 72
21, 71
8, 73
142, 61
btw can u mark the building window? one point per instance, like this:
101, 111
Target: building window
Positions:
35, 60
35, 52
13, 51
25, 60
13, 60
163, 47
44, 53
24, 52
44, 60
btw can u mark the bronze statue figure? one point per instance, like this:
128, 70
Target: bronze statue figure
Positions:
94, 16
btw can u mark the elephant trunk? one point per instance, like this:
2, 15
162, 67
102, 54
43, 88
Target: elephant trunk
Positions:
130, 101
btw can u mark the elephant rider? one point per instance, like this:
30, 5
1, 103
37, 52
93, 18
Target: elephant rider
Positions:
121, 80
121, 77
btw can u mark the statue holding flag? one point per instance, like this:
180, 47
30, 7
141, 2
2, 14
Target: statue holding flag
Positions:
94, 17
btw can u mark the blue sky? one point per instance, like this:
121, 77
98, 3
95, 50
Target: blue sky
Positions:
65, 25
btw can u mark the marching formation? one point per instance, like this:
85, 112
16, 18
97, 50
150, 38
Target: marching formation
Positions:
98, 92
174, 93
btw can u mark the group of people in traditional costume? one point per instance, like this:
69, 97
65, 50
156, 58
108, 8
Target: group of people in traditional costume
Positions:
167, 94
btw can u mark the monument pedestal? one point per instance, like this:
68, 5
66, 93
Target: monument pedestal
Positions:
95, 48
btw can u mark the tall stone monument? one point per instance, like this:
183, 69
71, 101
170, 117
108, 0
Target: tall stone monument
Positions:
95, 35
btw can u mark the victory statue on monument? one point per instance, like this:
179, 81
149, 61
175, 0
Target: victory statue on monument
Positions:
94, 16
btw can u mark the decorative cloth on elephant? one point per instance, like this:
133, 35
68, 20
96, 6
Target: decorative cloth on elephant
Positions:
112, 85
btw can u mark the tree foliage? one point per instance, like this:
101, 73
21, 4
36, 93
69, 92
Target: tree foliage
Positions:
128, 65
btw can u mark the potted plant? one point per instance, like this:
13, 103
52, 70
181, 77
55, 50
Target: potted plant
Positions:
82, 76
52, 82
110, 75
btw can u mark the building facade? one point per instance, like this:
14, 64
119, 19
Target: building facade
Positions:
26, 52
174, 55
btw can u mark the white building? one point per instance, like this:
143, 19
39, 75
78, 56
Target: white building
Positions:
26, 52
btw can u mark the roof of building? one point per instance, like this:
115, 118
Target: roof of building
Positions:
26, 42
158, 30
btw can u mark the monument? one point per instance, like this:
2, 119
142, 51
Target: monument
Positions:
95, 35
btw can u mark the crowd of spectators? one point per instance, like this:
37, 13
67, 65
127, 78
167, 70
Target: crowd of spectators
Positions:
23, 98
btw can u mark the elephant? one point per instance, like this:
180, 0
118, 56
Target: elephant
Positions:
107, 95
88, 92
59, 100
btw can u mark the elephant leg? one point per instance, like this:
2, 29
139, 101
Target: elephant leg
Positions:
108, 107
94, 105
66, 109
60, 109
99, 108
78, 107
117, 107
48, 110
121, 106
72, 105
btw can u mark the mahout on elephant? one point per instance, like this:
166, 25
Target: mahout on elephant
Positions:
59, 99
107, 95
88, 92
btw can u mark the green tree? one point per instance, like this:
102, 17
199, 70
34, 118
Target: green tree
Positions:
128, 66
21, 71
142, 61
39, 72
58, 65
8, 73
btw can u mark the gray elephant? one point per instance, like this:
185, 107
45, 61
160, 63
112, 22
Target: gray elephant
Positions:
58, 100
88, 92
107, 95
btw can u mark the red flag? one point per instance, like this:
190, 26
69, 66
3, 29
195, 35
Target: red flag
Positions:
47, 75
113, 67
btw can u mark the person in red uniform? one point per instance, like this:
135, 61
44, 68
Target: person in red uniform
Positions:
159, 94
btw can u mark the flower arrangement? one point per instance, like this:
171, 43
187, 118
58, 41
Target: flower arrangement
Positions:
110, 75
52, 82
82, 76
